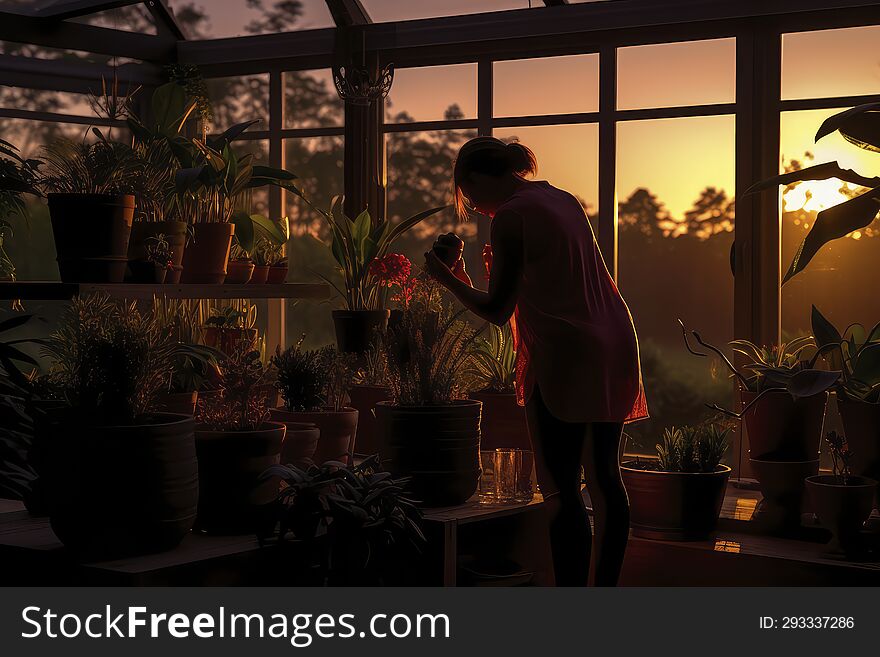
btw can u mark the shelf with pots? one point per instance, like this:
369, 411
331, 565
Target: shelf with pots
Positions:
47, 290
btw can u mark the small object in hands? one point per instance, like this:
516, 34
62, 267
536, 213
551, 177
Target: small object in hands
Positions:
449, 248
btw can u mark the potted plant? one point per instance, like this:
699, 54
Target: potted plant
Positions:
261, 241
856, 353
369, 387
157, 261
119, 478
679, 495
491, 374
842, 501
236, 442
361, 250
313, 386
430, 431
342, 525
230, 326
240, 268
18, 176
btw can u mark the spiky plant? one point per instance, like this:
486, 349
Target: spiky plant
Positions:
302, 378
79, 167
692, 449
492, 363
240, 404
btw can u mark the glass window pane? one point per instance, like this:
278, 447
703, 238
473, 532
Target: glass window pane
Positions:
676, 74
239, 99
549, 85
43, 100
830, 63
675, 230
419, 170
568, 157
211, 19
311, 100
433, 93
133, 18
403, 10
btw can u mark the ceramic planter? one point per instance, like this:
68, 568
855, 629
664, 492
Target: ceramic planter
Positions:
781, 428
842, 509
301, 440
337, 428
207, 253
437, 447
231, 494
677, 506
355, 328
364, 398
175, 235
91, 235
239, 272
123, 490
260, 275
503, 423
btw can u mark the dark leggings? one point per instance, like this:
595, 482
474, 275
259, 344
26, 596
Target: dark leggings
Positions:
561, 448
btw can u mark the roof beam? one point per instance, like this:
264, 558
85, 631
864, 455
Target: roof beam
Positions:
64, 9
77, 77
348, 13
555, 3
54, 33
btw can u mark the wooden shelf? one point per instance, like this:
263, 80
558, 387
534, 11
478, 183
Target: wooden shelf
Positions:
46, 290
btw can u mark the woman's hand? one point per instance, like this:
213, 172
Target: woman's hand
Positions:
437, 268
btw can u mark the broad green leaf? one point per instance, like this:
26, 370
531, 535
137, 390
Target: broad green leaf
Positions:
807, 383
270, 228
231, 134
169, 104
859, 125
866, 367
244, 230
818, 172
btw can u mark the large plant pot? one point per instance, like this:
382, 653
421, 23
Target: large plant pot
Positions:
207, 253
355, 328
239, 272
175, 235
338, 430
119, 491
437, 447
231, 494
301, 440
861, 426
277, 274
91, 235
364, 398
183, 403
782, 487
781, 428
676, 506
842, 509
503, 423
227, 339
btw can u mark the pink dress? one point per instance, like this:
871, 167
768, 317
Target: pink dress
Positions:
574, 333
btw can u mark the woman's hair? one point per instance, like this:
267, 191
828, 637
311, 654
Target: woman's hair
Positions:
492, 157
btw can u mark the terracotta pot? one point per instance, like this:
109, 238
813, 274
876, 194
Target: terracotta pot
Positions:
355, 328
861, 426
231, 463
118, 491
782, 486
239, 272
175, 234
277, 274
227, 339
338, 429
781, 428
436, 447
364, 399
503, 421
207, 253
301, 440
676, 506
842, 509
91, 234
183, 403
174, 274
146, 272
260, 275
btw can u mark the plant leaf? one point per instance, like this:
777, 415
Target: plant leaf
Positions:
859, 125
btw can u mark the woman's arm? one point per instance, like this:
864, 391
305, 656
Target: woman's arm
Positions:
497, 304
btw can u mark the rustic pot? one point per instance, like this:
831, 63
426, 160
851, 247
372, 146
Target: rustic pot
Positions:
260, 275
782, 487
207, 253
338, 429
781, 428
175, 235
277, 274
301, 440
239, 272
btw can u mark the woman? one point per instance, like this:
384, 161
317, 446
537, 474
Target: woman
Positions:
578, 371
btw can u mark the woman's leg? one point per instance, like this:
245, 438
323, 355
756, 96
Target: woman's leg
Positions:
558, 447
610, 503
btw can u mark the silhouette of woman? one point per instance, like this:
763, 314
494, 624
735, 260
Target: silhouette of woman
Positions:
578, 372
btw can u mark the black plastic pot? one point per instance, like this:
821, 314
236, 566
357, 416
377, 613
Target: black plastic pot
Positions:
355, 328
118, 491
437, 447
781, 428
231, 496
91, 235
675, 506
842, 508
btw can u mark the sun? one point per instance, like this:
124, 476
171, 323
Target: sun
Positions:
815, 195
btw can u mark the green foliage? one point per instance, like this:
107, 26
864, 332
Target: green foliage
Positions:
355, 521
427, 350
692, 449
310, 379
855, 352
110, 360
240, 401
492, 362
355, 244
227, 317
259, 237
79, 167
374, 365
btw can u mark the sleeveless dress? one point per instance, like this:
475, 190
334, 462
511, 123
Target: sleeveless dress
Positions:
574, 333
